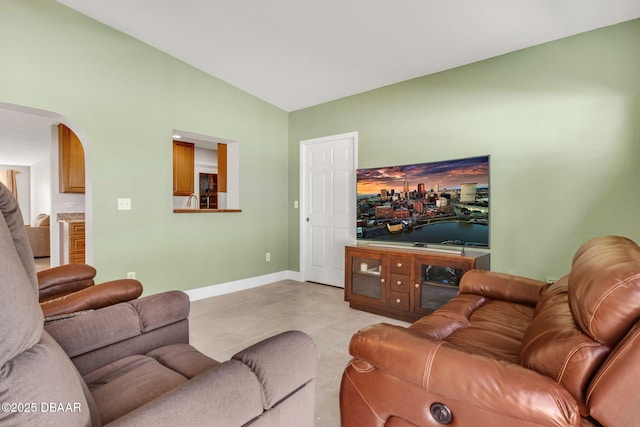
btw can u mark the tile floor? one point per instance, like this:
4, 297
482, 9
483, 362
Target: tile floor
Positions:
223, 325
42, 263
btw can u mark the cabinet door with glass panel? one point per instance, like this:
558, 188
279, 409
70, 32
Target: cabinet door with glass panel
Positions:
366, 277
437, 280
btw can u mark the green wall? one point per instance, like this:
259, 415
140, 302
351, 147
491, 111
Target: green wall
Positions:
561, 122
125, 98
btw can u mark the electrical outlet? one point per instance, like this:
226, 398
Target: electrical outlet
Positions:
131, 275
267, 257
295, 204
124, 204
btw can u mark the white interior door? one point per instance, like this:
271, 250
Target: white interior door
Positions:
328, 201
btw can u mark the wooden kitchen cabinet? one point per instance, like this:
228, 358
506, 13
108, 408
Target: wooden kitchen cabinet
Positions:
71, 161
77, 243
403, 282
183, 168
222, 167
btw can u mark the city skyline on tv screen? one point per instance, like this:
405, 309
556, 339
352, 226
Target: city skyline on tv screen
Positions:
444, 202
448, 174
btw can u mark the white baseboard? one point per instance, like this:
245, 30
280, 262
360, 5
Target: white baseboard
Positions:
240, 285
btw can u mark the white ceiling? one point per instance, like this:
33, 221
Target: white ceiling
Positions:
299, 53
25, 138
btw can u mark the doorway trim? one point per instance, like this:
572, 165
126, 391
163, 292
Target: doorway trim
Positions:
54, 119
303, 145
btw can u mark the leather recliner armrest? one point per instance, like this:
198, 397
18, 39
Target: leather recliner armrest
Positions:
94, 297
65, 279
474, 379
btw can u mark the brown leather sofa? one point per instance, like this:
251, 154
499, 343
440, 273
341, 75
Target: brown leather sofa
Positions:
510, 351
130, 364
70, 288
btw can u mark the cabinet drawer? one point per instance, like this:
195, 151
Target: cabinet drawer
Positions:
398, 300
77, 258
76, 228
400, 282
76, 244
400, 264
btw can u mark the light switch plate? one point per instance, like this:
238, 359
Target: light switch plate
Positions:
124, 204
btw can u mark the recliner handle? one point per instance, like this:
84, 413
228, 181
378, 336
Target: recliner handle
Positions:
441, 413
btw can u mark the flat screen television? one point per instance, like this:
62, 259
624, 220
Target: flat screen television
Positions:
436, 203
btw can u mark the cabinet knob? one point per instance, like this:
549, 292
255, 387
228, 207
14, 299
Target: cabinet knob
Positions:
398, 300
417, 285
399, 282
382, 280
399, 264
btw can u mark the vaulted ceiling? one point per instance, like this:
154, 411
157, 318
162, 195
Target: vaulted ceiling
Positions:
299, 53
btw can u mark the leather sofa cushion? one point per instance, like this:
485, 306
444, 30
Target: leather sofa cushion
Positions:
480, 325
554, 346
604, 288
611, 397
585, 314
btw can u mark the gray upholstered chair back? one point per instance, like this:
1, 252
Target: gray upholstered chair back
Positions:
34, 371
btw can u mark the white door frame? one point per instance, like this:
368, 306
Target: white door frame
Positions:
303, 197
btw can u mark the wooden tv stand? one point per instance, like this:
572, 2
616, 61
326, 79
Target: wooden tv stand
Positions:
405, 282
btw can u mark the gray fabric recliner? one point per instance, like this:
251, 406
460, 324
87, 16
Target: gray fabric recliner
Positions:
131, 363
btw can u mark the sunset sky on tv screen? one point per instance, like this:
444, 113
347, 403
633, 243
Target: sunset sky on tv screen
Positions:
449, 174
